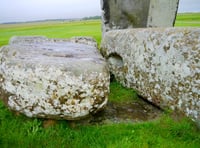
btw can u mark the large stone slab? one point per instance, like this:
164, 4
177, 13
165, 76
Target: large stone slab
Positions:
53, 78
162, 64
122, 14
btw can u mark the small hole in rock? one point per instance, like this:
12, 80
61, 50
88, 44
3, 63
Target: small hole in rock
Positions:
115, 60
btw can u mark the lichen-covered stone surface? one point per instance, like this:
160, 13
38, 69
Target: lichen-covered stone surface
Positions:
162, 64
41, 39
53, 78
122, 14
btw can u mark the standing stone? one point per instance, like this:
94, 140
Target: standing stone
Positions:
122, 14
162, 64
162, 13
53, 78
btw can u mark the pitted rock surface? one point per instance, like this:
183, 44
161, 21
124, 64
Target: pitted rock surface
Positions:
162, 64
43, 39
53, 78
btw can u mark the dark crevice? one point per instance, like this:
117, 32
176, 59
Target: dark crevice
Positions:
149, 102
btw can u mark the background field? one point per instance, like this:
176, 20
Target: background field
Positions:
75, 28
188, 19
19, 131
52, 29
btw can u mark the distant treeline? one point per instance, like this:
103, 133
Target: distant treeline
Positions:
63, 20
92, 18
45, 20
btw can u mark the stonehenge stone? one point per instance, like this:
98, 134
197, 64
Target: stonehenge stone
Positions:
162, 13
122, 14
41, 39
53, 78
162, 64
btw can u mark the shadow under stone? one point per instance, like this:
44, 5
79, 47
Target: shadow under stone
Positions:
126, 112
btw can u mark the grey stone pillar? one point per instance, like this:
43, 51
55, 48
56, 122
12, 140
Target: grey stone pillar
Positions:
122, 14
162, 13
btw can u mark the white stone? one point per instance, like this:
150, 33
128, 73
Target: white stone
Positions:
53, 78
163, 66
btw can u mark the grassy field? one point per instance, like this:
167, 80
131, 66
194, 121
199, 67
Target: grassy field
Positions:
188, 19
19, 131
75, 28
52, 30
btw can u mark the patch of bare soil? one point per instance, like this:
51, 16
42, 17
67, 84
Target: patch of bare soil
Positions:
135, 111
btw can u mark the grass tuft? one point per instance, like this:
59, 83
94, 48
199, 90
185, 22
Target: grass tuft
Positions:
19, 131
119, 93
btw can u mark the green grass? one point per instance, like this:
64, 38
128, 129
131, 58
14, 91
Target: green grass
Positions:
19, 131
75, 28
52, 29
188, 19
120, 94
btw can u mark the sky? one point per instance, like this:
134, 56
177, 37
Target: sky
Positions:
28, 10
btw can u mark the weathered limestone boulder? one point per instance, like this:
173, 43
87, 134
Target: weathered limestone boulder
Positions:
121, 14
40, 39
162, 64
53, 78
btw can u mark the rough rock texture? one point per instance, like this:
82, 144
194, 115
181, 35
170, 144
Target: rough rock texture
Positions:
53, 78
41, 39
121, 14
162, 64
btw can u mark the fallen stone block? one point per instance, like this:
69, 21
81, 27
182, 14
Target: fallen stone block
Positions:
42, 39
53, 78
162, 64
